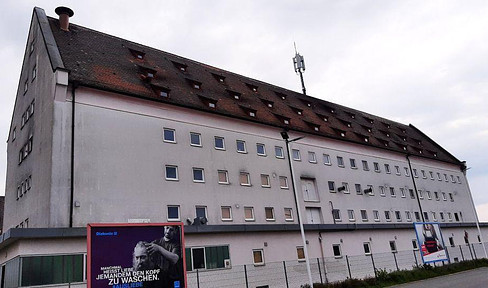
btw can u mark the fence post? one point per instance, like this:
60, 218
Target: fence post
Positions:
286, 276
348, 267
396, 263
474, 251
245, 275
415, 256
461, 249
470, 251
198, 280
320, 271
374, 266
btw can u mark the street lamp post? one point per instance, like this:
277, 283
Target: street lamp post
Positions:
286, 137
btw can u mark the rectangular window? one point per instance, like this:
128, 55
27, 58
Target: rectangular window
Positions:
441, 214
169, 135
456, 217
392, 192
258, 257
449, 216
408, 216
402, 192
296, 154
241, 146
358, 189
198, 175
444, 196
426, 216
260, 149
26, 85
173, 213
387, 216
436, 195
201, 211
244, 179
171, 173
458, 179
445, 178
415, 246
288, 214
198, 257
212, 257
423, 174
434, 216
376, 215
393, 246
195, 139
398, 216
367, 248
439, 176
279, 152
387, 168
336, 214
249, 213
269, 212
421, 194
283, 182
326, 158
340, 161
336, 248
300, 253
311, 157
219, 143
344, 188
431, 175
223, 177
417, 216
451, 197
226, 213
365, 165
353, 163
415, 173
429, 195
48, 270
364, 215
331, 186
34, 73
397, 170
382, 191
376, 167
265, 181
451, 241
407, 173
350, 214
412, 193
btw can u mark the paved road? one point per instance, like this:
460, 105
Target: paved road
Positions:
476, 278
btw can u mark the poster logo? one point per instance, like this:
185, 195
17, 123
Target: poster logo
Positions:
431, 243
136, 255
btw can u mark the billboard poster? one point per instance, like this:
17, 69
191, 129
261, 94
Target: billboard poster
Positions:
431, 243
136, 256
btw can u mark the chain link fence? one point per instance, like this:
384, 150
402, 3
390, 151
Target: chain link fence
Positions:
293, 274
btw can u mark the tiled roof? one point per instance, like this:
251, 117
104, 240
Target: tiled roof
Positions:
106, 62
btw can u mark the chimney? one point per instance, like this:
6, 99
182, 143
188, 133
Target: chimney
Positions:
64, 14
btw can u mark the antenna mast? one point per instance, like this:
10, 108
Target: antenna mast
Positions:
299, 64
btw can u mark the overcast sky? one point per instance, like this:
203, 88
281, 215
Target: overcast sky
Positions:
416, 62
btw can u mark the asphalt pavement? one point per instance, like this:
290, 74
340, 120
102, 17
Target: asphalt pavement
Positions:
476, 278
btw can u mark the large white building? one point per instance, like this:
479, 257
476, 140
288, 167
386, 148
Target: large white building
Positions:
105, 130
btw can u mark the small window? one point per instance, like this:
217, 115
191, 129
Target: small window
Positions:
434, 216
198, 175
241, 146
392, 192
163, 93
311, 157
421, 194
14, 134
350, 214
326, 158
444, 196
195, 139
451, 197
458, 179
397, 170
408, 216
365, 165
407, 173
398, 216
169, 135
417, 216
376, 215
26, 85
436, 195
344, 188
219, 143
336, 214
258, 257
441, 214
449, 216
376, 167
353, 163
426, 216
223, 177
265, 181
369, 191
439, 176
283, 182
261, 149
424, 175
412, 193
269, 212
249, 213
451, 242
300, 253
367, 248
364, 215
415, 246
415, 174
296, 154
279, 152
382, 191
171, 173
402, 192
387, 216
331, 186
336, 248
431, 175
173, 213
393, 246
288, 214
387, 168
34, 73
358, 189
244, 179
226, 213
201, 211
340, 161
429, 195
445, 178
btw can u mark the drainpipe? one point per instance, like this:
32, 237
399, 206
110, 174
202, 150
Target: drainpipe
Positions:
415, 188
72, 184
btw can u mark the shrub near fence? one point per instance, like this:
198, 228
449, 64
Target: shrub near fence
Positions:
293, 274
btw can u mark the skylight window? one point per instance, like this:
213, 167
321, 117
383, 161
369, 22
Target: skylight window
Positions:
219, 78
137, 54
253, 88
180, 66
281, 95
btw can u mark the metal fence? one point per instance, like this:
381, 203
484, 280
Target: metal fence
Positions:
293, 274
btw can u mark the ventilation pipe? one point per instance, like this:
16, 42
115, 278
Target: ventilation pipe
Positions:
64, 14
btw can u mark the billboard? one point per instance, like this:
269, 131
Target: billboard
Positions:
431, 243
136, 255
